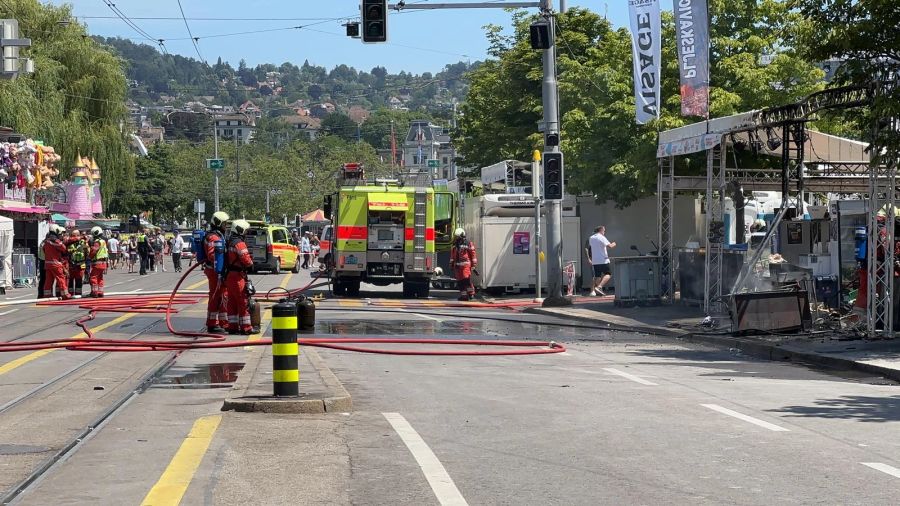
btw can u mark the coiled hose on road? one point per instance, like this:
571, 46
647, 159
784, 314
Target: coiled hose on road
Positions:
155, 304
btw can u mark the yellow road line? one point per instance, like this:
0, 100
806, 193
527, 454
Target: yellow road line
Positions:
197, 284
13, 364
178, 475
351, 303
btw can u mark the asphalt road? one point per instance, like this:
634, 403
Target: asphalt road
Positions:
618, 419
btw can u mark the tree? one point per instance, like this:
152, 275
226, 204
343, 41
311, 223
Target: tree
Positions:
607, 154
341, 125
315, 91
866, 35
376, 130
75, 100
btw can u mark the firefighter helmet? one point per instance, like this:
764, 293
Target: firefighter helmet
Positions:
56, 229
240, 227
219, 218
96, 231
460, 233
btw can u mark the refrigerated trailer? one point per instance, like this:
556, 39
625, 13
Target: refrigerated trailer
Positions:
502, 228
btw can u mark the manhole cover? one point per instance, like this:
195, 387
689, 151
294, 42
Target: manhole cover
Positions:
21, 449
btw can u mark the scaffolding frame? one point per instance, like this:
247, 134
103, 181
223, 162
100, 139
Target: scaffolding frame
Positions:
877, 178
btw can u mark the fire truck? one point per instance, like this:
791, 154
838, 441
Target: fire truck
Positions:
388, 231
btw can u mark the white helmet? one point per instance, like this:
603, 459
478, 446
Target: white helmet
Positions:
240, 227
56, 229
96, 231
459, 233
219, 218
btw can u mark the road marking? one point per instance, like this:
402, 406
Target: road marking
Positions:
7, 312
441, 483
138, 290
884, 468
18, 297
267, 316
198, 284
178, 475
632, 377
741, 416
351, 303
421, 314
9, 366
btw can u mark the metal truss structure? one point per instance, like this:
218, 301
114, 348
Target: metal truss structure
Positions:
715, 228
665, 199
877, 179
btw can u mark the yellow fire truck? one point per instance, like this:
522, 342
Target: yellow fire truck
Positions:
388, 231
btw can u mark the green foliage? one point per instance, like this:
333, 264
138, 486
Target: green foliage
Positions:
607, 154
377, 128
75, 100
866, 35
341, 125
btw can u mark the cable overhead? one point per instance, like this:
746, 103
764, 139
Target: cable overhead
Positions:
193, 39
140, 31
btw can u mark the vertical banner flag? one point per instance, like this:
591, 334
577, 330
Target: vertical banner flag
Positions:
645, 43
692, 32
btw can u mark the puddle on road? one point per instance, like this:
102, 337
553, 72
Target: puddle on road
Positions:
219, 375
450, 327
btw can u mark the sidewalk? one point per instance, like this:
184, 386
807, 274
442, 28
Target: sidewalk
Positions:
678, 321
320, 390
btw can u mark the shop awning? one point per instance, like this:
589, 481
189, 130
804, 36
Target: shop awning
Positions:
25, 210
59, 218
388, 202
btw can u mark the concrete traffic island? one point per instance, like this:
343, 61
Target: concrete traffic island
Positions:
320, 390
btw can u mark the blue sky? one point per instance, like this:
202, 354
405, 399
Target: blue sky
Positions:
442, 37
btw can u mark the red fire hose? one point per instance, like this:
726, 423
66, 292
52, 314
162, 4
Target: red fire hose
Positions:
155, 304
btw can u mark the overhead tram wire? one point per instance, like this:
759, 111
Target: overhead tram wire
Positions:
193, 39
140, 31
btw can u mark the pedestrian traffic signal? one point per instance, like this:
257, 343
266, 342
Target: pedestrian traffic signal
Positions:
540, 35
374, 21
553, 176
352, 30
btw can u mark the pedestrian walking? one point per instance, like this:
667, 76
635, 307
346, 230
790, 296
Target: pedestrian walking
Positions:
113, 244
132, 254
305, 249
314, 254
158, 247
177, 248
600, 259
143, 250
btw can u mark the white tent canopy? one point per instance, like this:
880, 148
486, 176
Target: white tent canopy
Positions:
6, 250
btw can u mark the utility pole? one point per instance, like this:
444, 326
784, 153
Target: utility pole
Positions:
536, 193
216, 172
551, 126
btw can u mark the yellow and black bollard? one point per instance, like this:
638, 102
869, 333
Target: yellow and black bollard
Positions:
285, 373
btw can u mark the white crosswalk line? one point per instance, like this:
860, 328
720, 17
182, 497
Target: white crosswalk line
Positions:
746, 418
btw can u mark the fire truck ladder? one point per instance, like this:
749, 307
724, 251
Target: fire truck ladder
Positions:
420, 207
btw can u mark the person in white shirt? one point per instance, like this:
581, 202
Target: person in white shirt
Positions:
113, 245
177, 247
600, 259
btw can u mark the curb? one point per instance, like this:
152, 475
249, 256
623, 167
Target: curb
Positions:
337, 400
773, 352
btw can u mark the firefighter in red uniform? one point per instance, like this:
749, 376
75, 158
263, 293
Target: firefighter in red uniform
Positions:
216, 318
463, 261
99, 256
237, 262
78, 250
55, 259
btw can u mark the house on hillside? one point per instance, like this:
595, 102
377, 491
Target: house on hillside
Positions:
240, 127
426, 141
396, 104
307, 125
321, 110
250, 109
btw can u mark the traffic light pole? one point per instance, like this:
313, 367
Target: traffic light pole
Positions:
551, 126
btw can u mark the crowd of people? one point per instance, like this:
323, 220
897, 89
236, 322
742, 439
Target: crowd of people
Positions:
69, 258
308, 244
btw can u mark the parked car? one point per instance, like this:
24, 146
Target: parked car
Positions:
271, 248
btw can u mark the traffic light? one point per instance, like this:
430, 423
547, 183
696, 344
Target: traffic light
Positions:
540, 35
352, 30
374, 21
553, 176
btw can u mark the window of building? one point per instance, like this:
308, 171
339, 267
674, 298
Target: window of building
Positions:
239, 132
229, 132
445, 160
